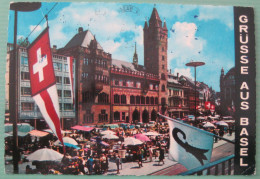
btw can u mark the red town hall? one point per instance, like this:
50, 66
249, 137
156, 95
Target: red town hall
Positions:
114, 91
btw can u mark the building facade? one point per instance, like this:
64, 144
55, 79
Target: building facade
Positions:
113, 91
27, 109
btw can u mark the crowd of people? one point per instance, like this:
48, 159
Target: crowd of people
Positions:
94, 155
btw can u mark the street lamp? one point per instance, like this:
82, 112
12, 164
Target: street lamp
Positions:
195, 64
13, 78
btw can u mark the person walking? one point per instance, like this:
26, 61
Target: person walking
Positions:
90, 165
140, 158
161, 156
151, 153
118, 162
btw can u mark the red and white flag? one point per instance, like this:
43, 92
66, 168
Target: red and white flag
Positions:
70, 68
43, 82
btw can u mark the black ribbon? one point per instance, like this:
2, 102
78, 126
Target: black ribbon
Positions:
196, 152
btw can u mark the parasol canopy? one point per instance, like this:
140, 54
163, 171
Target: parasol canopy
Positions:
38, 133
152, 133
110, 136
141, 137
45, 155
66, 140
208, 125
222, 123
132, 141
107, 132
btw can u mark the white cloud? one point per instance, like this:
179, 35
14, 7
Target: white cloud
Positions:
221, 13
37, 29
183, 71
183, 44
103, 21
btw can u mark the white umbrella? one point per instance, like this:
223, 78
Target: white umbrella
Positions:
107, 132
222, 123
62, 131
67, 140
110, 136
208, 124
132, 141
152, 133
45, 155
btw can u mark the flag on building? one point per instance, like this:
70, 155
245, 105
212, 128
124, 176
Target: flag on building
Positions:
189, 146
70, 69
43, 82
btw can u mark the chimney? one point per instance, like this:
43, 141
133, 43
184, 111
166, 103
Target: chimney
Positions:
170, 71
80, 29
54, 48
178, 76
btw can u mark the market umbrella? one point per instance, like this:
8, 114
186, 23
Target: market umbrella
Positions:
67, 140
208, 124
152, 133
21, 127
222, 123
107, 132
110, 136
71, 145
141, 137
38, 133
45, 155
132, 141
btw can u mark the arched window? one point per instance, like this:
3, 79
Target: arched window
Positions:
116, 99
137, 100
163, 76
156, 100
147, 100
103, 98
123, 99
163, 101
132, 99
163, 87
142, 100
152, 100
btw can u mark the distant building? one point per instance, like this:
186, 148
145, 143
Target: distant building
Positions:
178, 92
227, 91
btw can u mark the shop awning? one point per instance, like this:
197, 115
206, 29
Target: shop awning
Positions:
82, 128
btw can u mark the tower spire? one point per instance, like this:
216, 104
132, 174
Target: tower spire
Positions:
135, 57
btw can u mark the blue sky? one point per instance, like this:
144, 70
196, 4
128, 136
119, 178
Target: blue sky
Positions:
198, 33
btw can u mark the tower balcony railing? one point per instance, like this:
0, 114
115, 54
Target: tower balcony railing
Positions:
139, 74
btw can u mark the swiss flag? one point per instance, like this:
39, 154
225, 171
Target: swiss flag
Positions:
212, 107
207, 105
43, 83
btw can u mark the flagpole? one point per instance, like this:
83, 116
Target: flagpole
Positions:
13, 78
230, 141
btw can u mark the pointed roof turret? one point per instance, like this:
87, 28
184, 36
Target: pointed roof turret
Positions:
155, 19
145, 25
135, 57
164, 24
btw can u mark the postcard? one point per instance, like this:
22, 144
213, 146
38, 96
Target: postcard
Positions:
98, 88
